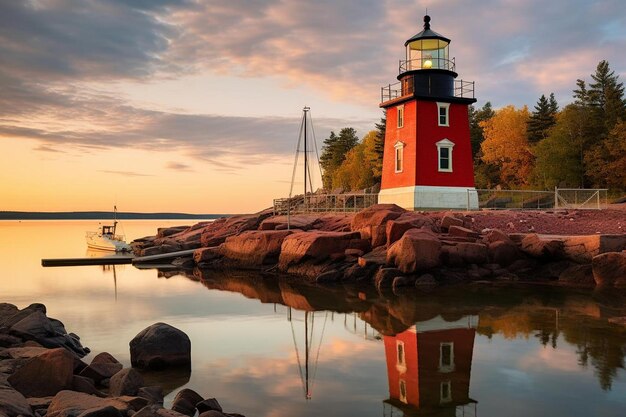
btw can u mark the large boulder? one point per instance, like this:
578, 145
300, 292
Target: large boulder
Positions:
31, 323
417, 250
609, 269
160, 346
582, 249
372, 222
450, 220
409, 220
314, 247
256, 247
216, 232
44, 375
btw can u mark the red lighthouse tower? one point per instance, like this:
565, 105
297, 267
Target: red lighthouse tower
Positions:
427, 160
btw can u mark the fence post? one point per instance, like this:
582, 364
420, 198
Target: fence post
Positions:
556, 197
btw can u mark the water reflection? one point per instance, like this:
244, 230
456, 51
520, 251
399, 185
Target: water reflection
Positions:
549, 351
549, 315
429, 367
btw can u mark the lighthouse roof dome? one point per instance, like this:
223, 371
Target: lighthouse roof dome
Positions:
427, 33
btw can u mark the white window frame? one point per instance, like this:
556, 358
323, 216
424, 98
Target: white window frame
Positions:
400, 357
448, 367
444, 144
400, 116
445, 106
448, 398
399, 150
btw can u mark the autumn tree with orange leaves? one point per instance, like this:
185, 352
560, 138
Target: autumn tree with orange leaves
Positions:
506, 145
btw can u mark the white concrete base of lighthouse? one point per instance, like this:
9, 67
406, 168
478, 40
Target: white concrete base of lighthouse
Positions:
429, 197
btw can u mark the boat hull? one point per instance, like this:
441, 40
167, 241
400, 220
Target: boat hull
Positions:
97, 241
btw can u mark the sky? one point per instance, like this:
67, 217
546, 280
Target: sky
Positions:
195, 105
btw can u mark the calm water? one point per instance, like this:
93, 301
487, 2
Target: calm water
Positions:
456, 351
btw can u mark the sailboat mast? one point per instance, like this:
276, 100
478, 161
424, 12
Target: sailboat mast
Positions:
306, 154
306, 354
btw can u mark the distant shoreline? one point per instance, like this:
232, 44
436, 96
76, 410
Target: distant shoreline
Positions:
101, 215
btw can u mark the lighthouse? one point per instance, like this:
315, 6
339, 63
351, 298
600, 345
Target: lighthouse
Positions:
427, 161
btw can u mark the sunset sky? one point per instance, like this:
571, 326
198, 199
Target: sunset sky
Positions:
195, 106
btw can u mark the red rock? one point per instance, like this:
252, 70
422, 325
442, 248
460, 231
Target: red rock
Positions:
473, 253
378, 256
372, 222
71, 403
216, 232
13, 404
257, 247
609, 269
86, 385
208, 405
354, 252
495, 235
582, 249
45, 374
103, 365
314, 246
159, 346
204, 255
417, 250
403, 281
125, 382
504, 252
185, 402
450, 256
578, 275
299, 221
385, 277
410, 220
463, 232
537, 247
450, 220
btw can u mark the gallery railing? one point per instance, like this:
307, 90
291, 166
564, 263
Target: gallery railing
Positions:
462, 89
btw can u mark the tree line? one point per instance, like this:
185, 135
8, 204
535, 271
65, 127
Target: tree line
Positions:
582, 145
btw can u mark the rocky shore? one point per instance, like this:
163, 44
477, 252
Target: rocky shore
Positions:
391, 247
42, 372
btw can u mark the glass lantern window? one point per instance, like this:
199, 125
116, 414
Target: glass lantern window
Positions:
428, 53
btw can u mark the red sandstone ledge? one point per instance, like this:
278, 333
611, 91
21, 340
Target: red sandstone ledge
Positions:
392, 247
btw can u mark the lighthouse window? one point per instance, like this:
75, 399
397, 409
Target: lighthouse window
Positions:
403, 391
399, 156
444, 155
446, 357
445, 392
443, 114
400, 116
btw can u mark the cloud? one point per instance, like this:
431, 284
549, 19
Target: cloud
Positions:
59, 58
127, 173
177, 166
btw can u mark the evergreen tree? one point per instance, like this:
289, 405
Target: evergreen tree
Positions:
334, 153
542, 118
607, 94
476, 131
379, 147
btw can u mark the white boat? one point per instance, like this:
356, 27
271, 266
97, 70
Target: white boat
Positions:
106, 238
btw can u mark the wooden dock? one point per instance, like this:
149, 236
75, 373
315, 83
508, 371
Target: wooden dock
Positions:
163, 256
105, 260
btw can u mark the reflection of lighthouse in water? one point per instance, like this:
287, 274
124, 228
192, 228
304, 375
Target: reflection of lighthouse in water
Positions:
429, 366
